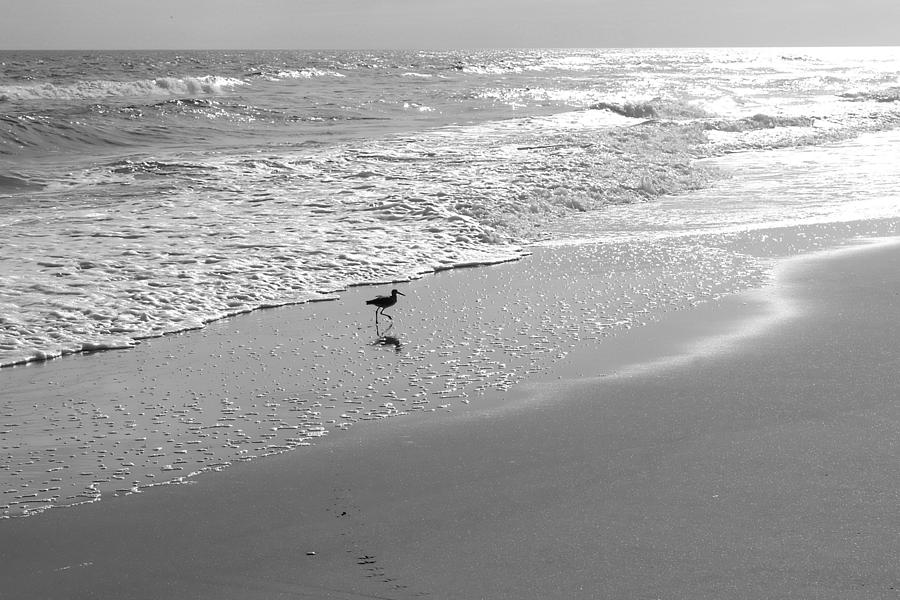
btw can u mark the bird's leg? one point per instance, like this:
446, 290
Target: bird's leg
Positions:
387, 315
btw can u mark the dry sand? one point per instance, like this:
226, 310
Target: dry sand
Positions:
761, 461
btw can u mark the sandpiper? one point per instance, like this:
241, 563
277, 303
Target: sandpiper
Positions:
383, 302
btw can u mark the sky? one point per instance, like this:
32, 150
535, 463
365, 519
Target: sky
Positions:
371, 24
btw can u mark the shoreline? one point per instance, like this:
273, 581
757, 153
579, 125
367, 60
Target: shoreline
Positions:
328, 296
704, 479
270, 381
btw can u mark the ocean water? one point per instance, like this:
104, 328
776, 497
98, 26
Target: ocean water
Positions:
144, 193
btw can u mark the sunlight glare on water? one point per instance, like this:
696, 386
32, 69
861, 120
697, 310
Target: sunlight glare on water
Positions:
855, 180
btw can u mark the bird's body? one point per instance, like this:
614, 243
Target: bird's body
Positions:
383, 302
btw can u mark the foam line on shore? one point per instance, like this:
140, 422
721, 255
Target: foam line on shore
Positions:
269, 382
764, 308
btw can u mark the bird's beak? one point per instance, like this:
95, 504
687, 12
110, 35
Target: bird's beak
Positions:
401, 293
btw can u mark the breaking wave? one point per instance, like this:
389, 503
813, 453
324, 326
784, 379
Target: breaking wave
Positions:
886, 95
760, 121
85, 90
9, 183
656, 108
280, 74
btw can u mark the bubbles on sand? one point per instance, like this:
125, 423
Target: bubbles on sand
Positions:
275, 381
205, 400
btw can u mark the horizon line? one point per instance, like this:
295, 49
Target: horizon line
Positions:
451, 48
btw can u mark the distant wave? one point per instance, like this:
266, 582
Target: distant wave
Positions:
83, 127
155, 167
9, 183
500, 68
760, 121
279, 74
172, 86
654, 109
886, 95
41, 132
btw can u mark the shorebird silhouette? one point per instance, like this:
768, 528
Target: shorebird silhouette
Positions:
383, 302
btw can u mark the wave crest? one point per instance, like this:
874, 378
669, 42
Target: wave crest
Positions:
656, 108
172, 86
306, 73
886, 95
760, 121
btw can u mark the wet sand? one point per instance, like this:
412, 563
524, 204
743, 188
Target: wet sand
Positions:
756, 459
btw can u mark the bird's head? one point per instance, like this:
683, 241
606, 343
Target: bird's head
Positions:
397, 292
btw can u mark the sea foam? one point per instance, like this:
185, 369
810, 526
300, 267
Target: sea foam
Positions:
151, 197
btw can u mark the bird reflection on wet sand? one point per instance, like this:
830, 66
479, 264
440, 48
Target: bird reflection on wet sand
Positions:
387, 340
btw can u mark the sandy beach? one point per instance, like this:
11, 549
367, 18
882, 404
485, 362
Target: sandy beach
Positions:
745, 448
